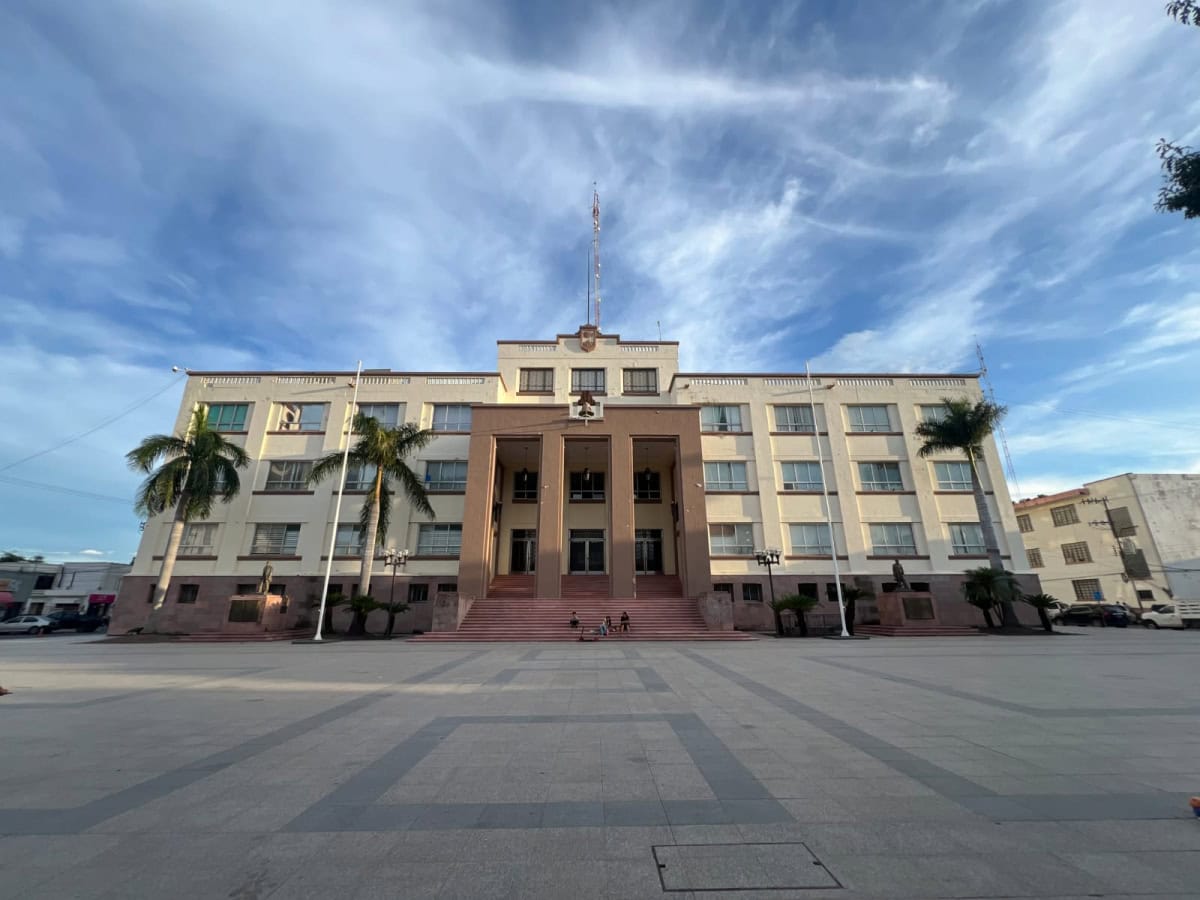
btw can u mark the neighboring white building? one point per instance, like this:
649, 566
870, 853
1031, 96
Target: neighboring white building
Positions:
1132, 539
42, 588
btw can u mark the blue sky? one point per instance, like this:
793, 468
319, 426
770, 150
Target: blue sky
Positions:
299, 184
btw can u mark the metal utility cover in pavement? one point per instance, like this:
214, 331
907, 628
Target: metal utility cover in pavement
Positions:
741, 867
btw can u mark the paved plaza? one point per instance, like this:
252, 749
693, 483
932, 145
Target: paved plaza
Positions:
972, 767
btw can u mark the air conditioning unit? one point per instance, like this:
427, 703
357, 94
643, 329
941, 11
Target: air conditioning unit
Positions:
587, 412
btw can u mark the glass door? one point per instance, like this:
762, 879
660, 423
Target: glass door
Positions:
647, 551
524, 551
586, 551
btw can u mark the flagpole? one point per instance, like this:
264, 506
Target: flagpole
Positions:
337, 507
837, 575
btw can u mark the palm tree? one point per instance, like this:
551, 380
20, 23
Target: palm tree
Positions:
386, 450
987, 589
798, 604
1041, 602
197, 470
964, 428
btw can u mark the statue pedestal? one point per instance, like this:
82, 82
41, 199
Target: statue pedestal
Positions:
906, 607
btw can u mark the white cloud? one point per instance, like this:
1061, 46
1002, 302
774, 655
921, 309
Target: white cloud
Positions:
83, 249
92, 553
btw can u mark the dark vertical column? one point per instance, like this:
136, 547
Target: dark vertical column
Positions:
694, 572
548, 579
621, 519
474, 571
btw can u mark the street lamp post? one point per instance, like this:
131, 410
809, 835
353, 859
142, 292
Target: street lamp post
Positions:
395, 559
768, 558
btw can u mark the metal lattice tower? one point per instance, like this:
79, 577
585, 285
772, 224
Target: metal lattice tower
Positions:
991, 395
596, 249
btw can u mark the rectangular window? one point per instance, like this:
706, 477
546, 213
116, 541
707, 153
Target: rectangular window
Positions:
525, 486
893, 539
966, 539
188, 593
810, 539
640, 381
866, 419
246, 587
537, 381
801, 476
199, 539
880, 476
301, 416
726, 586
587, 380
360, 476
933, 412
797, 419
952, 476
386, 414
721, 418
1064, 515
1025, 524
448, 588
228, 416
752, 592
1076, 553
647, 486
288, 475
418, 593
1087, 590
725, 476
275, 540
587, 486
451, 417
439, 539
349, 541
731, 539
1035, 558
44, 583
1148, 595
446, 475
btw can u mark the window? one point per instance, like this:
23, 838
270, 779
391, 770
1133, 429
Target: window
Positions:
418, 593
587, 380
199, 539
794, 419
880, 476
228, 416
275, 540
933, 412
360, 476
1149, 595
525, 486
301, 416
246, 588
1025, 524
725, 476
1076, 553
725, 586
446, 475
1087, 590
640, 381
893, 539
801, 476
1035, 558
811, 539
451, 417
448, 588
865, 419
721, 418
439, 539
647, 486
952, 476
587, 485
349, 540
732, 539
1064, 515
751, 592
537, 381
188, 593
43, 583
967, 539
386, 414
288, 475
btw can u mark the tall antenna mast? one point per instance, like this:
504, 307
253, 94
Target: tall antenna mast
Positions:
991, 394
596, 248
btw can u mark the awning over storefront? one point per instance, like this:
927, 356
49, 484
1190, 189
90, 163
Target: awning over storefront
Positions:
101, 598
6, 599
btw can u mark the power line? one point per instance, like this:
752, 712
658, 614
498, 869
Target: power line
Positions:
60, 489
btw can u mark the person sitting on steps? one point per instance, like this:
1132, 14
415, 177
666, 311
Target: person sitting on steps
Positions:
574, 620
625, 620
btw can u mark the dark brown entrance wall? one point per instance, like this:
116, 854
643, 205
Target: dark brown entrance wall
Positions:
621, 426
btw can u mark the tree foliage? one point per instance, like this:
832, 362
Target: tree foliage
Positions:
796, 603
1186, 12
989, 590
1041, 602
1180, 191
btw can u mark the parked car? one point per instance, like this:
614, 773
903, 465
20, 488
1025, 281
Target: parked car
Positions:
1163, 617
81, 622
1055, 610
26, 625
1091, 613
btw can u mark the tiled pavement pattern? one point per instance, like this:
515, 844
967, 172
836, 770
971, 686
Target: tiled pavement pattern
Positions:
1022, 767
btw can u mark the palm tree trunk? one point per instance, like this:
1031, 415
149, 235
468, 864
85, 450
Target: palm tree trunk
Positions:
372, 535
991, 545
1045, 619
391, 623
174, 539
802, 622
778, 623
987, 617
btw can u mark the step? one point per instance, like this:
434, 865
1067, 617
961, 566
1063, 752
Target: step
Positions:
917, 630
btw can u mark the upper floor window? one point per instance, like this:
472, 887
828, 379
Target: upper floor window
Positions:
933, 412
228, 416
640, 381
725, 476
893, 539
880, 476
537, 381
952, 476
451, 417
1025, 524
721, 418
1076, 553
386, 414
810, 539
801, 476
525, 485
587, 485
446, 475
1087, 590
275, 539
360, 476
301, 416
199, 539
288, 475
1035, 558
349, 540
1064, 515
587, 380
440, 539
795, 419
647, 485
967, 539
731, 539
868, 419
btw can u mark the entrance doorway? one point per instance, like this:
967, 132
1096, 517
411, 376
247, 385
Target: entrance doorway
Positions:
586, 551
524, 551
648, 551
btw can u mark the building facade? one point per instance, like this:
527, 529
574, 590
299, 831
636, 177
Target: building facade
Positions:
32, 588
676, 480
1132, 539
